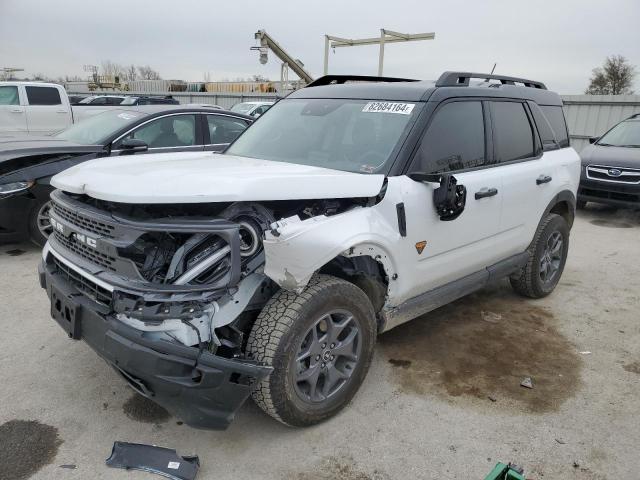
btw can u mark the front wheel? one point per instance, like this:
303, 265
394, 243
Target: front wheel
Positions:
547, 257
40, 223
320, 344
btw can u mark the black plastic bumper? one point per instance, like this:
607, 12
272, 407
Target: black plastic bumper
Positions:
202, 389
14, 217
610, 193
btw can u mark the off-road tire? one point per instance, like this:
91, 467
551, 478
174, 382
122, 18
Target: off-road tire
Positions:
527, 281
282, 326
36, 235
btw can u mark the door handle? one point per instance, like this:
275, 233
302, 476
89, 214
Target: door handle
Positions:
486, 192
61, 111
16, 110
543, 179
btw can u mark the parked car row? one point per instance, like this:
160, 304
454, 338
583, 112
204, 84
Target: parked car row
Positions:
28, 163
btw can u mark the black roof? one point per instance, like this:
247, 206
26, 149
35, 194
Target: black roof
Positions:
422, 91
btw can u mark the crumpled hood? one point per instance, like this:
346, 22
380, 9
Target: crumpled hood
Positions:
204, 177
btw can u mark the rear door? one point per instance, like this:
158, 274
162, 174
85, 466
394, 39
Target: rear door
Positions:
13, 119
221, 130
457, 141
47, 112
530, 180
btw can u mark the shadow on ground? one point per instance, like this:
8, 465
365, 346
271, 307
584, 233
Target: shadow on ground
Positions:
482, 347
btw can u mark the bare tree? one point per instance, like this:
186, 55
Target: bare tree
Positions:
615, 77
207, 77
131, 73
148, 73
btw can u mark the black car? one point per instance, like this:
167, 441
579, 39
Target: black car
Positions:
611, 167
28, 163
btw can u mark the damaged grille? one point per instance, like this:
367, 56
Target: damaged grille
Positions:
86, 286
85, 252
83, 222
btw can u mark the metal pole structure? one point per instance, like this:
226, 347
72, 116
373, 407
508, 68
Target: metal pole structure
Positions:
381, 57
386, 36
327, 41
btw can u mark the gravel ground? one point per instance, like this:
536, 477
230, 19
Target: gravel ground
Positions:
442, 399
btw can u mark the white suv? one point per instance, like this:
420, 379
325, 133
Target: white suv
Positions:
346, 210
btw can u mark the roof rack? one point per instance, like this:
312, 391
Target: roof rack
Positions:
340, 79
461, 79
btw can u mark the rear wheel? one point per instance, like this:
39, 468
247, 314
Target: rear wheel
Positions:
320, 344
547, 257
40, 223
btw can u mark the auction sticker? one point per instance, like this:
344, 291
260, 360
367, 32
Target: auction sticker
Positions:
389, 107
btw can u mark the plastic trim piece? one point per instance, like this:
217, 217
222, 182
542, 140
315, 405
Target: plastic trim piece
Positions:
149, 458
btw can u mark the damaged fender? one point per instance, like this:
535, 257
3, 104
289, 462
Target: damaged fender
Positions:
295, 249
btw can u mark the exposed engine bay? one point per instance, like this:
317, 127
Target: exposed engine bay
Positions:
191, 273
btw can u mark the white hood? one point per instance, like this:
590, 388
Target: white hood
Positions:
204, 177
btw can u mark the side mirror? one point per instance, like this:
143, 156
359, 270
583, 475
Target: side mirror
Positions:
449, 198
593, 139
133, 145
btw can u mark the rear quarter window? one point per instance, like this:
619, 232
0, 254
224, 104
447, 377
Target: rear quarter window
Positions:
43, 96
555, 116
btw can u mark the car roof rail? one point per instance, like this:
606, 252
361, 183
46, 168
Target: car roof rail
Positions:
340, 79
461, 79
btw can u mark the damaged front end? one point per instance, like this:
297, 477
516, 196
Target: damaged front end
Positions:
165, 299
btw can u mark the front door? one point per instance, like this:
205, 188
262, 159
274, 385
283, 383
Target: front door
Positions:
13, 120
456, 142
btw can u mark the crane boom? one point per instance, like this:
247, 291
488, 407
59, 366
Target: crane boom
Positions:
268, 42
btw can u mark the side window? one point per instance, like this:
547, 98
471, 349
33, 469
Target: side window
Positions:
43, 96
513, 135
224, 129
114, 101
454, 140
555, 115
9, 95
547, 136
172, 131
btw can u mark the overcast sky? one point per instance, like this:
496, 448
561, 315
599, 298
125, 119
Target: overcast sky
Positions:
558, 42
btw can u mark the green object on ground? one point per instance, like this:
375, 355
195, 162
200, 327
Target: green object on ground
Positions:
505, 472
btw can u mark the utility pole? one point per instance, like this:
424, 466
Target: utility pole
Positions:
386, 36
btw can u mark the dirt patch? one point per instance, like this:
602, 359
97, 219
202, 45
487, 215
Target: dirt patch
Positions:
142, 409
633, 367
333, 468
454, 352
601, 222
25, 447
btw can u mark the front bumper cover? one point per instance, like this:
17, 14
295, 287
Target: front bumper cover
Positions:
200, 388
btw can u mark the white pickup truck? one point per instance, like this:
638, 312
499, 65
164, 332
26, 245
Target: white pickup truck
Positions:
36, 108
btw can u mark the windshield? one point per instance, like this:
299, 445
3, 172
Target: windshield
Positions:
349, 135
98, 129
625, 134
129, 101
242, 107
87, 100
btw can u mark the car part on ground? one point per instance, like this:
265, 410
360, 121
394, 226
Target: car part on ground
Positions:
339, 215
149, 458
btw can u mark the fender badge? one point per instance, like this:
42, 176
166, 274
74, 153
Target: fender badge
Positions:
420, 246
